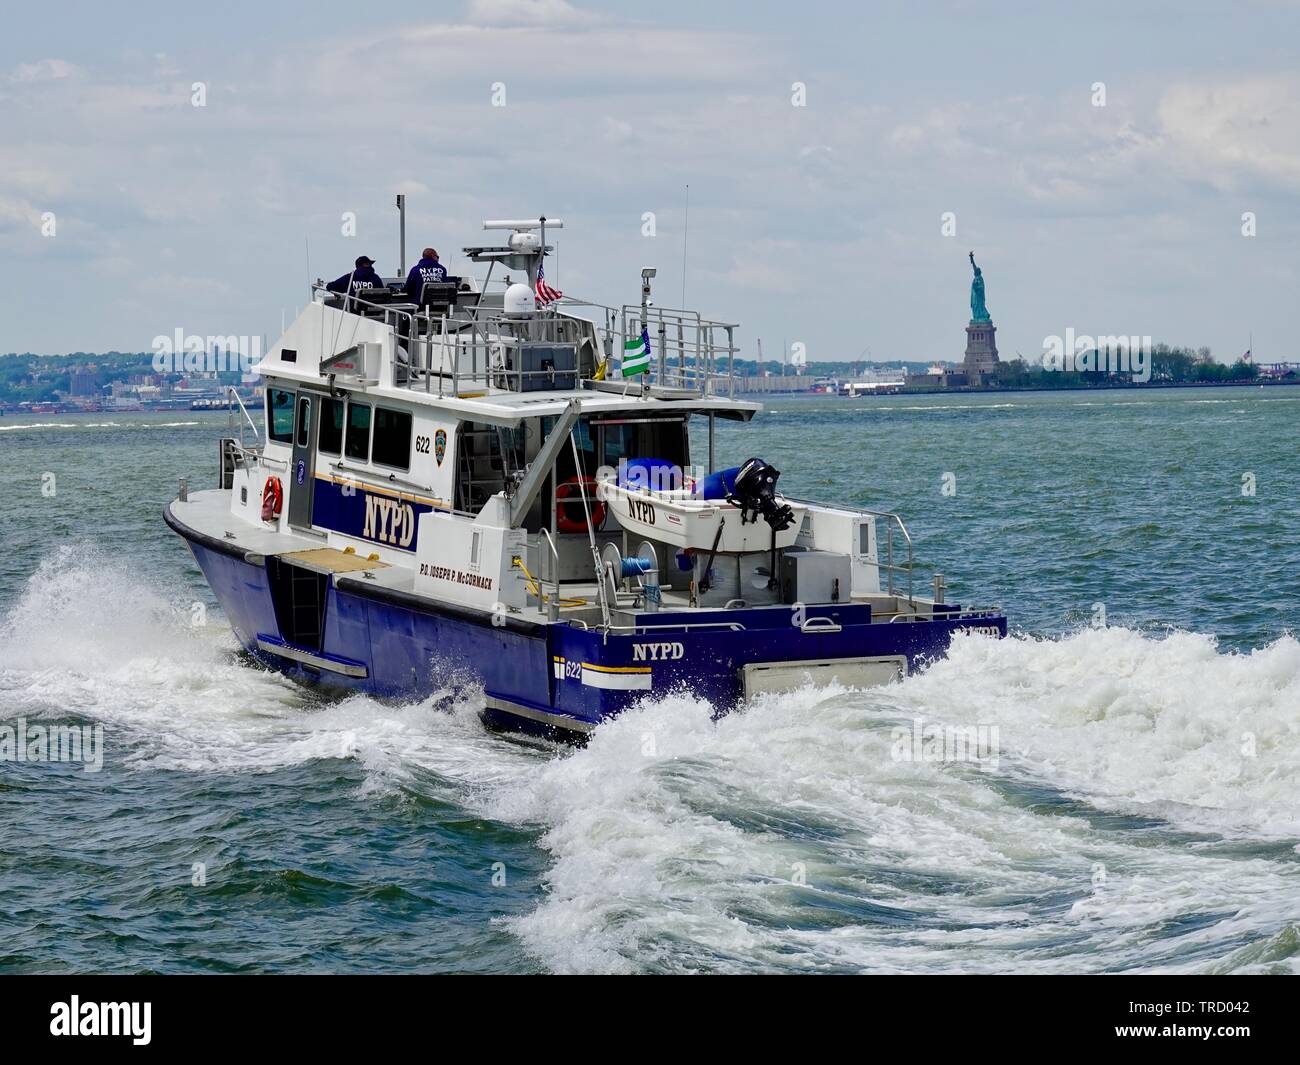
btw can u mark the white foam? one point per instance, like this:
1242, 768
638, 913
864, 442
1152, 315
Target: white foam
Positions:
678, 844
1170, 725
93, 636
675, 840
25, 426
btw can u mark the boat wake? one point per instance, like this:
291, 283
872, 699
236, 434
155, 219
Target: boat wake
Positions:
25, 427
166, 678
1135, 811
1141, 815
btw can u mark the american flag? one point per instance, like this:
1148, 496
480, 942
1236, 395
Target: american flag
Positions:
545, 294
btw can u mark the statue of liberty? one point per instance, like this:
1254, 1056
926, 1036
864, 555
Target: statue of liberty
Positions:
978, 311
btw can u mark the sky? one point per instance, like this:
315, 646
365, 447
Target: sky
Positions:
1101, 160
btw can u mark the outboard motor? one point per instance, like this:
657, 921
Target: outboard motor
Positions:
755, 494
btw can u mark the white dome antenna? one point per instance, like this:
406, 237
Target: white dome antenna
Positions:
518, 300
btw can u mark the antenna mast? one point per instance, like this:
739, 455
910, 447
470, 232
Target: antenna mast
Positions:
686, 225
401, 215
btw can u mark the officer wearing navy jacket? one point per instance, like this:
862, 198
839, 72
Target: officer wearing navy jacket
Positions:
363, 276
427, 269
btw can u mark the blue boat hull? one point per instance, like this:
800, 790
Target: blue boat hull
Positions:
545, 677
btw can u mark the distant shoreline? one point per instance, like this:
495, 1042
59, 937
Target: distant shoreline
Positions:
768, 395
965, 390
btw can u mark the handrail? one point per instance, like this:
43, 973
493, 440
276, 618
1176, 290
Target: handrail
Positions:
374, 480
482, 333
380, 480
891, 520
591, 534
734, 626
232, 392
894, 519
257, 456
555, 561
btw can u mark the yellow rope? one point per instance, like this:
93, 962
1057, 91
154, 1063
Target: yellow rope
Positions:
536, 588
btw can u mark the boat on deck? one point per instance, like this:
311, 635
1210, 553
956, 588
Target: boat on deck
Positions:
463, 490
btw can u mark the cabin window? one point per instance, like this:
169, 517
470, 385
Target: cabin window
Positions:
392, 438
304, 421
642, 438
279, 415
358, 442
486, 455
329, 438
620, 443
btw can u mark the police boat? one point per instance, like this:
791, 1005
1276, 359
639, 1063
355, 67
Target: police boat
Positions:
494, 488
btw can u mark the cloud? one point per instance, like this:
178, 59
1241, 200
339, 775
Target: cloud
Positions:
1236, 130
524, 12
42, 70
608, 117
16, 213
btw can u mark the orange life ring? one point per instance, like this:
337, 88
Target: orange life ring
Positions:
272, 499
575, 486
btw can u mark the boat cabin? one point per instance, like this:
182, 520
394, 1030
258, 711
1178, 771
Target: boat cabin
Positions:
477, 447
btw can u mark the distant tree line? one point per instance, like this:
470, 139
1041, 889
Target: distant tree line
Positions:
1169, 365
823, 368
32, 378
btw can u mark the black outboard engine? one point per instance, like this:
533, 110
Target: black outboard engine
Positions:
755, 494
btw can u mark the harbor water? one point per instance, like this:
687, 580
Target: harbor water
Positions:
1133, 806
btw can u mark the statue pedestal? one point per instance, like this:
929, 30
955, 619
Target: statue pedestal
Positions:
981, 352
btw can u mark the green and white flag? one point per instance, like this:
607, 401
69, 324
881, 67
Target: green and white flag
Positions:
636, 355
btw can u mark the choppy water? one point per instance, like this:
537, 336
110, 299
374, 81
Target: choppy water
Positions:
1143, 813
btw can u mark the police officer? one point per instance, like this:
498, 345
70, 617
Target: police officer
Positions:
363, 276
426, 270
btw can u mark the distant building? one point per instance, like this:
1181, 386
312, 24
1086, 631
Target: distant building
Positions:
83, 383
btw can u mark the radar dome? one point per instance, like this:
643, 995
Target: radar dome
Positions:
524, 242
518, 300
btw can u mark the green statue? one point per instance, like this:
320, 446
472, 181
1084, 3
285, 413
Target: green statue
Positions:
978, 312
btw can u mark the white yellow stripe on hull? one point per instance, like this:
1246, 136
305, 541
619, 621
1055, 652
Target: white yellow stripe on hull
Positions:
614, 678
628, 679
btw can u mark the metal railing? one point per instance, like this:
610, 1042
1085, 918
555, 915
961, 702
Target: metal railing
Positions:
678, 626
232, 419
554, 566
485, 349
249, 457
686, 349
891, 521
481, 347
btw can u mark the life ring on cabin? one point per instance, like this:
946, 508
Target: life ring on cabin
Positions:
272, 499
575, 487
